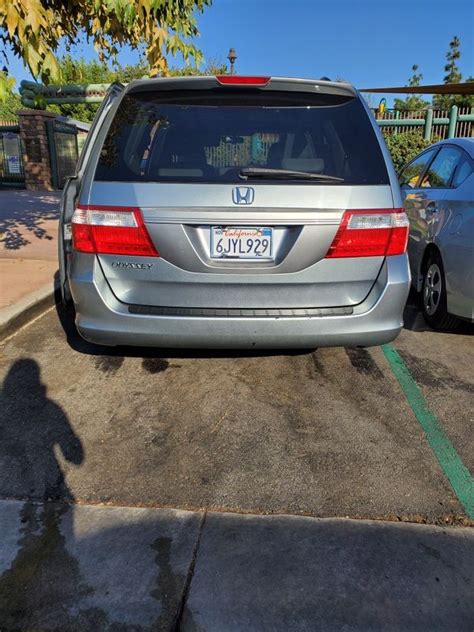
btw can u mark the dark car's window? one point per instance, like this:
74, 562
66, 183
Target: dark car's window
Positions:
411, 173
442, 168
212, 135
463, 171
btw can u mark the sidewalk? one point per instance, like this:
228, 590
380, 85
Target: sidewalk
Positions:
84, 567
28, 247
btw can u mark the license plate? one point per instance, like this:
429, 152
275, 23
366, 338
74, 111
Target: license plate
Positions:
242, 242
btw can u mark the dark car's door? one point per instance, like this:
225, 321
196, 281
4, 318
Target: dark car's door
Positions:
428, 205
455, 238
416, 199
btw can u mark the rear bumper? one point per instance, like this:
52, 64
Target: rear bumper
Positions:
102, 319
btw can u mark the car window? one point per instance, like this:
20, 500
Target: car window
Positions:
441, 169
210, 136
411, 173
463, 171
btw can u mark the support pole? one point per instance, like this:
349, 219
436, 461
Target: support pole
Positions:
397, 116
453, 119
428, 124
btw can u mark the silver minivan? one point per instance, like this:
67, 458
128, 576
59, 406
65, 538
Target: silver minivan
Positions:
235, 212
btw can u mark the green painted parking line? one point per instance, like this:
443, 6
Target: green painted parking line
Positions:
450, 461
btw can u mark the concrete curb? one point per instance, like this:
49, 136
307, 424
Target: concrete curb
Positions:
148, 569
27, 308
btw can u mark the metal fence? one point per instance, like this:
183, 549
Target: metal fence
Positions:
63, 151
11, 157
242, 151
432, 124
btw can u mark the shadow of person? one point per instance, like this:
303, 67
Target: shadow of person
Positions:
32, 428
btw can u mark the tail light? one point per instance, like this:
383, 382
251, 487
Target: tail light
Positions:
371, 233
111, 230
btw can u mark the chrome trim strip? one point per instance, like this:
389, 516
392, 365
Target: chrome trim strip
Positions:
228, 216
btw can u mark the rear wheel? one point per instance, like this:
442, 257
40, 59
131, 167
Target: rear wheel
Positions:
435, 307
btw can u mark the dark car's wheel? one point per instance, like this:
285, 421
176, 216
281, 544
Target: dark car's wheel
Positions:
435, 308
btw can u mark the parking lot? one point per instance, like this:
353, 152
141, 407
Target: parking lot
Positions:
328, 433
322, 433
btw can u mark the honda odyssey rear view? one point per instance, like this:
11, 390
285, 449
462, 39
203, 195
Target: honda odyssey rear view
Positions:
234, 212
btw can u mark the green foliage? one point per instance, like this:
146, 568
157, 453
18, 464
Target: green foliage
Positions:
453, 55
33, 30
413, 101
84, 72
466, 99
453, 75
130, 72
404, 147
9, 106
213, 67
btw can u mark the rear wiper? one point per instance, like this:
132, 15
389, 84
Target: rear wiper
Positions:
285, 174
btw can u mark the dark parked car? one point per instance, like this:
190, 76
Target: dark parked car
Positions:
438, 189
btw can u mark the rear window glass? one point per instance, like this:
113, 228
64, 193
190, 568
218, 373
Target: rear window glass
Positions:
211, 137
442, 168
411, 173
463, 171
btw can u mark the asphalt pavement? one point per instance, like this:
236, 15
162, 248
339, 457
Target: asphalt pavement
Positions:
224, 440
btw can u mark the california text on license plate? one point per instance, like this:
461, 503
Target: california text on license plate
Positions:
241, 242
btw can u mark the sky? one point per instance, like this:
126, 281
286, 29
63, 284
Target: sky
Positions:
370, 43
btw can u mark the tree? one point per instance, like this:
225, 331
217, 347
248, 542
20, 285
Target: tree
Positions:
213, 67
33, 30
413, 101
10, 106
466, 100
453, 55
453, 75
87, 72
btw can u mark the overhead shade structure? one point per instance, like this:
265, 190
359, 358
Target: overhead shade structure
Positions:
436, 88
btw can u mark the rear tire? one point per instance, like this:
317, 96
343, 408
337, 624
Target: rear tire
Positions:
433, 295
